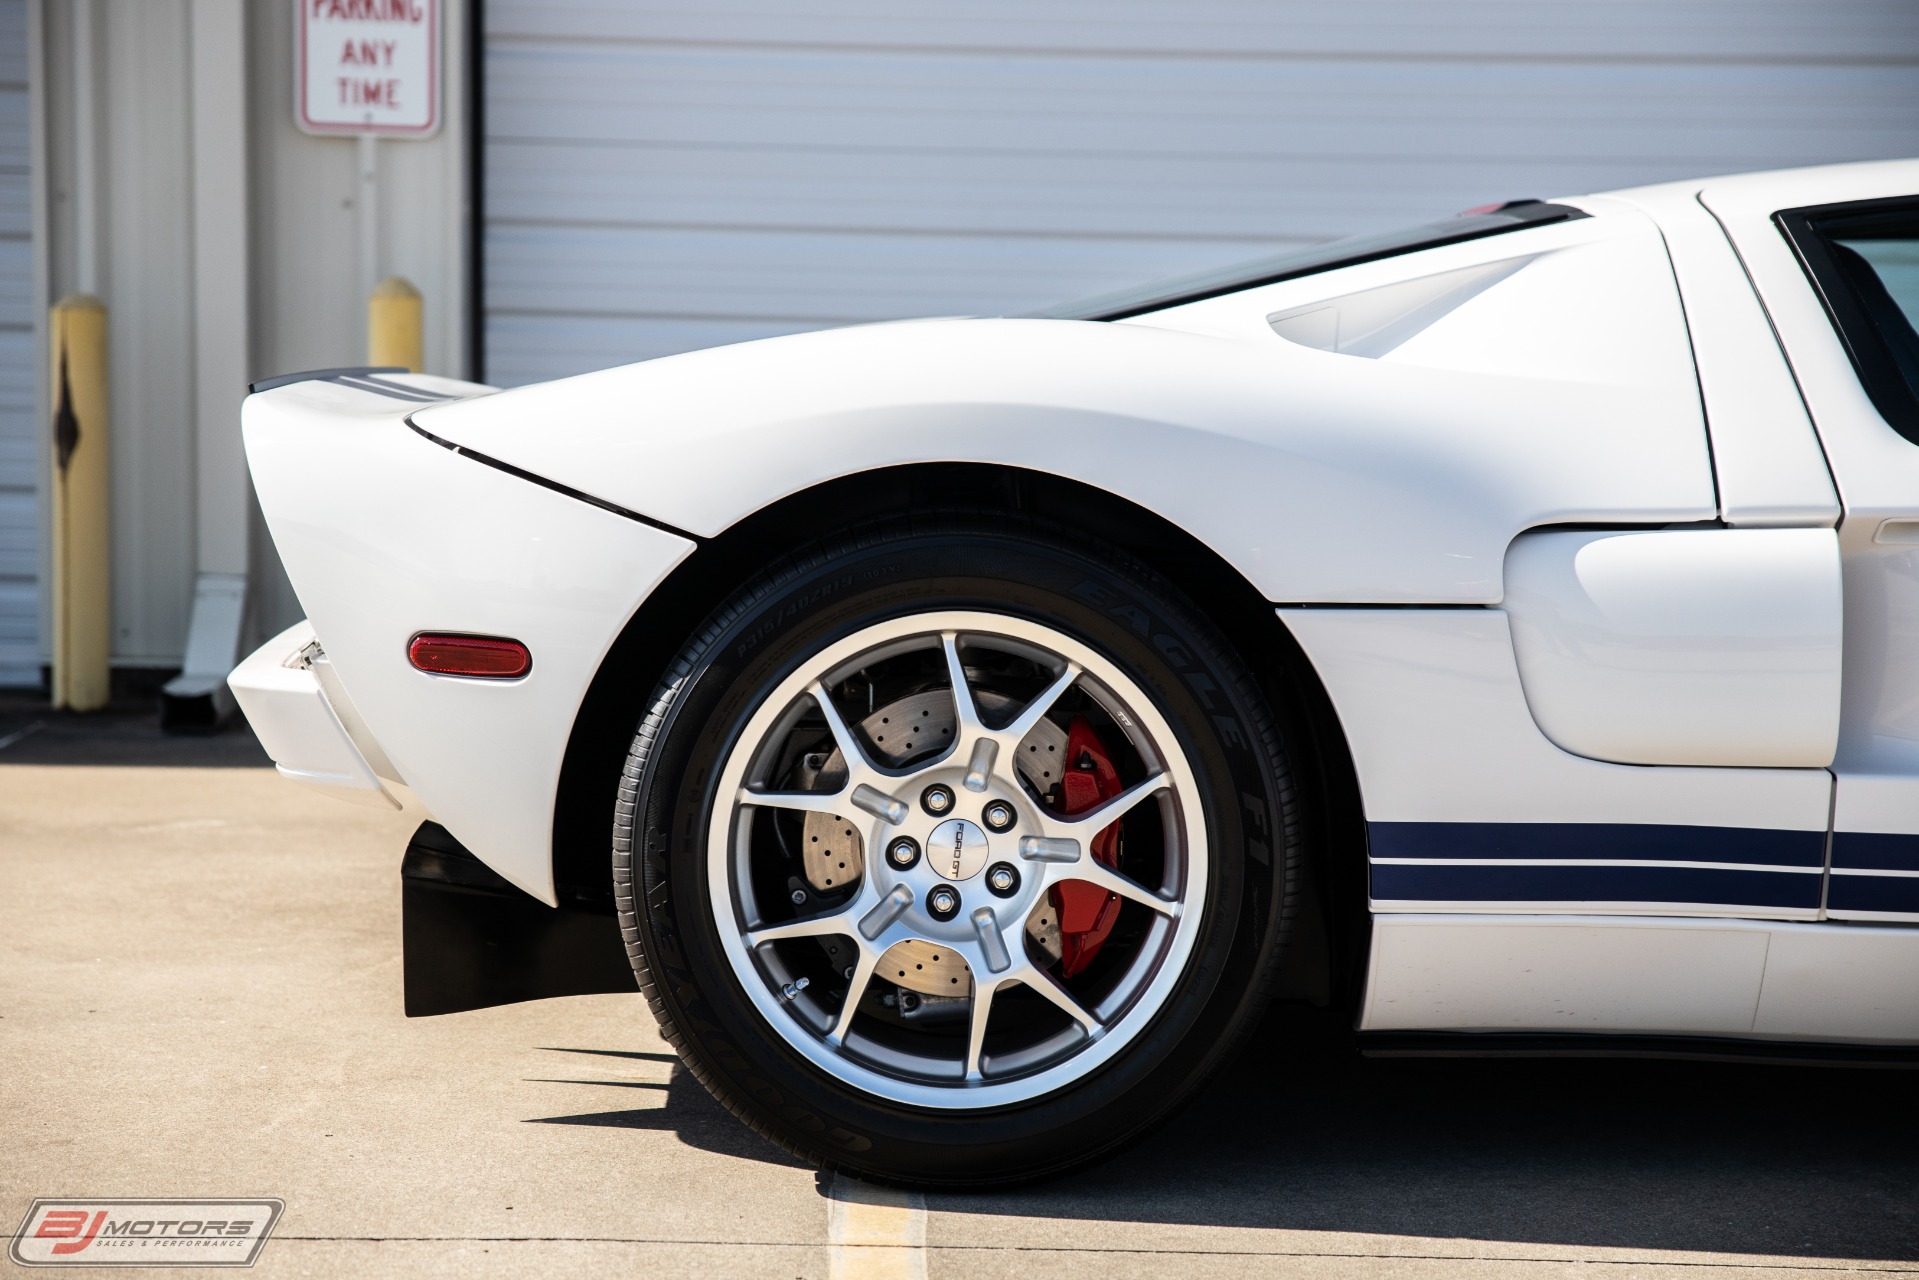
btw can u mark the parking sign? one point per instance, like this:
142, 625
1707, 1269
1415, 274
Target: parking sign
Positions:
368, 67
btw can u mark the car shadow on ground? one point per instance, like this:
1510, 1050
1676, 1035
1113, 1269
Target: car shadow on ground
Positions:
686, 1109
125, 734
1303, 1134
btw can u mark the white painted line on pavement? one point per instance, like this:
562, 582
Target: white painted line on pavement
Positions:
12, 738
875, 1233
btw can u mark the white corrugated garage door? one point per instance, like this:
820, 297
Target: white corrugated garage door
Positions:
19, 444
662, 176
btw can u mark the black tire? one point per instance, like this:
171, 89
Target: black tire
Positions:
1119, 607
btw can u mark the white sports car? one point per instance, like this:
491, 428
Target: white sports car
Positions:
1507, 630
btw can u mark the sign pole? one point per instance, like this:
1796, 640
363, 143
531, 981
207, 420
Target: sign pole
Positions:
363, 69
367, 209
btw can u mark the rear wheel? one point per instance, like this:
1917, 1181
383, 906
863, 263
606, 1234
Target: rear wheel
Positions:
955, 856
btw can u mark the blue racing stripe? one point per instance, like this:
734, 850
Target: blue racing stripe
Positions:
1436, 882
1869, 851
1603, 840
1874, 893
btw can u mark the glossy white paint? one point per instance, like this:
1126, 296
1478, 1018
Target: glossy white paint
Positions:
1875, 802
281, 697
1433, 709
1690, 647
1651, 976
1841, 982
1375, 322
1497, 305
1388, 453
1875, 847
354, 723
1766, 458
386, 534
1563, 392
1540, 973
1877, 472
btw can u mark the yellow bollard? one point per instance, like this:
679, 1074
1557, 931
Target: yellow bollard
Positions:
394, 324
82, 500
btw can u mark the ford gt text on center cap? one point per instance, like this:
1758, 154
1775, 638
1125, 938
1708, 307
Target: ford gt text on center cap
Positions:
1506, 631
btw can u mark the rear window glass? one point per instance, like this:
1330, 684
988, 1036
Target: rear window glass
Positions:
1161, 294
1895, 265
1863, 260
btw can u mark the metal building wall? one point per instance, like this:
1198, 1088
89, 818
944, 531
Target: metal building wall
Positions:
135, 251
19, 441
310, 284
119, 84
661, 175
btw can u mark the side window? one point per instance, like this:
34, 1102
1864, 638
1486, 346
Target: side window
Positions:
1864, 261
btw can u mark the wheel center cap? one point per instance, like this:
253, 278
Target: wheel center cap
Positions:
956, 849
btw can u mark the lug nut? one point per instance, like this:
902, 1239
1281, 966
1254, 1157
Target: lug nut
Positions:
943, 902
998, 816
1003, 879
903, 853
937, 800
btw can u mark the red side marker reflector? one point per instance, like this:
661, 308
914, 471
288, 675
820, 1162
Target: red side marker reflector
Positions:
480, 656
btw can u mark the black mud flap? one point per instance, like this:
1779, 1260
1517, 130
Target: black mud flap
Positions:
472, 940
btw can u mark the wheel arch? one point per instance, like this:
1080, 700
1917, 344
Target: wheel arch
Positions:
1327, 961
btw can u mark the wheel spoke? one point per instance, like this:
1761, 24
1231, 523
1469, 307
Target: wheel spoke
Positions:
1036, 710
1084, 826
843, 735
828, 802
1044, 849
965, 710
1103, 877
890, 908
1043, 984
810, 927
855, 988
983, 992
979, 771
882, 806
992, 943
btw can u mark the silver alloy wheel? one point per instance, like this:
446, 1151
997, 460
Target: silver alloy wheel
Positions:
987, 928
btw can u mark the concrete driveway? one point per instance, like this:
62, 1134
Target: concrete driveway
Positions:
200, 996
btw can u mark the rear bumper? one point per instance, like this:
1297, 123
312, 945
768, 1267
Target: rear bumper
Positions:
280, 689
386, 534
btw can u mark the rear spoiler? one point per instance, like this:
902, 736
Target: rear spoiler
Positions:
363, 378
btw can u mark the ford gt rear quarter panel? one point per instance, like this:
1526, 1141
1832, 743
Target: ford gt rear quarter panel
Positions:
1470, 808
386, 534
1322, 477
1765, 455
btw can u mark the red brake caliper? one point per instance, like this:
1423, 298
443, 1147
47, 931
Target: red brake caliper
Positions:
1086, 912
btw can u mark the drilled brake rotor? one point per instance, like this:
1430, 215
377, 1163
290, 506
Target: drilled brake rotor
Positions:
927, 968
834, 855
833, 852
